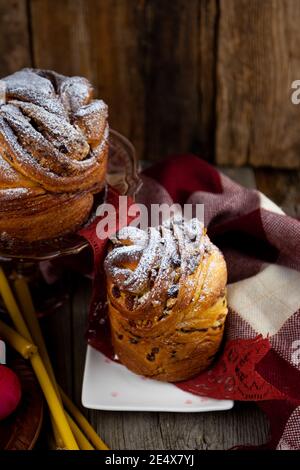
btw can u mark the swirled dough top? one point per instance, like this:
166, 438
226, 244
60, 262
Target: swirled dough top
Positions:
146, 263
53, 134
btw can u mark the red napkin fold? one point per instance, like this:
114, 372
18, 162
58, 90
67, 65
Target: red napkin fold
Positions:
259, 360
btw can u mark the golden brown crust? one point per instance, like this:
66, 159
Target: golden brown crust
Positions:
53, 153
167, 319
45, 216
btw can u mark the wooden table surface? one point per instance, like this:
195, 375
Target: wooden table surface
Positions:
244, 424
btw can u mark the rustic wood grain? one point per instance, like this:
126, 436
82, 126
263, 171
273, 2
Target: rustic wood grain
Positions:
152, 62
14, 36
258, 58
182, 431
59, 36
102, 41
244, 176
283, 187
206, 76
80, 300
57, 330
207, 431
171, 71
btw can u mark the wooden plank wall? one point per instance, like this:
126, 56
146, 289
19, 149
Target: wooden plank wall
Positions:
209, 76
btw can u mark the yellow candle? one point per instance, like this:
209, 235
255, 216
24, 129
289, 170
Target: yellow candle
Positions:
12, 306
28, 310
25, 300
26, 303
80, 437
16, 341
29, 351
83, 422
53, 401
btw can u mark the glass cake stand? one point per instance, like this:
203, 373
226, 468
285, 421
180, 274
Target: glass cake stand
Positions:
26, 259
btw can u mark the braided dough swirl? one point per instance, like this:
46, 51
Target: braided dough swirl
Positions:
167, 305
53, 151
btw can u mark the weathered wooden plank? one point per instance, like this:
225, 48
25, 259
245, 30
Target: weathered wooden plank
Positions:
283, 187
244, 176
156, 65
102, 41
171, 71
59, 36
245, 424
220, 430
258, 58
80, 300
207, 49
128, 430
14, 36
58, 335
152, 62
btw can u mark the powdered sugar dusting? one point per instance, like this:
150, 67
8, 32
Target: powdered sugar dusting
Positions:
13, 193
52, 131
7, 172
157, 258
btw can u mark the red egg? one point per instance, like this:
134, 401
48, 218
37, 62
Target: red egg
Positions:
10, 391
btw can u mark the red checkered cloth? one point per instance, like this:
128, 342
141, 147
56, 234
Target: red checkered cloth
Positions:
260, 360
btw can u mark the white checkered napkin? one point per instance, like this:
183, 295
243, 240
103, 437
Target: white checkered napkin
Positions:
290, 439
2, 352
268, 303
267, 300
266, 203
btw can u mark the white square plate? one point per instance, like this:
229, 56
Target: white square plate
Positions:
110, 386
